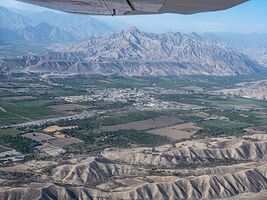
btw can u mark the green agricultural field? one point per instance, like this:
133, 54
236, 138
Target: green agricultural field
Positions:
196, 99
19, 143
113, 118
6, 118
235, 101
104, 82
9, 132
33, 103
95, 140
236, 115
232, 101
224, 124
214, 128
4, 93
3, 149
25, 110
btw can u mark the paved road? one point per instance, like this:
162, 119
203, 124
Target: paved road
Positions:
2, 109
82, 115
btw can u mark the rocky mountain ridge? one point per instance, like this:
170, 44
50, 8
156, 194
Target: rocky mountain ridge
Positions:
135, 53
254, 45
47, 27
251, 90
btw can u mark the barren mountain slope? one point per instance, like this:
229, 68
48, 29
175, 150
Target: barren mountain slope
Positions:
189, 51
135, 53
201, 152
253, 90
92, 171
155, 187
254, 44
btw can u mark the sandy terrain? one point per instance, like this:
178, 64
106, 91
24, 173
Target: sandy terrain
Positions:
38, 136
176, 132
52, 129
65, 141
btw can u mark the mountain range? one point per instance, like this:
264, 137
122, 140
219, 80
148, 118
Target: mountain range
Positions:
135, 53
85, 45
48, 27
254, 44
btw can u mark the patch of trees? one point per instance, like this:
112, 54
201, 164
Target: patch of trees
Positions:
126, 117
235, 115
122, 139
186, 98
114, 119
18, 143
216, 132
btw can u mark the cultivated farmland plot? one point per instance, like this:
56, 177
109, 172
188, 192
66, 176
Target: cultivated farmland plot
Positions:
152, 123
68, 107
177, 132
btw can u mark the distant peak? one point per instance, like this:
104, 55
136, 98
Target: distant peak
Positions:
131, 30
195, 35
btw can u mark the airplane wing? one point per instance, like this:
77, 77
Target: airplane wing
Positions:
134, 7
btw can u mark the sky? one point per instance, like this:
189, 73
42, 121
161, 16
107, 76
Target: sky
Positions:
250, 17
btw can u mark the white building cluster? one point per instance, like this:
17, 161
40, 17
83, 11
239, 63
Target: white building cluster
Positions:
143, 99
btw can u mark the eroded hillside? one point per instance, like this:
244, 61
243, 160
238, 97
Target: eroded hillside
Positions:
253, 90
200, 169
